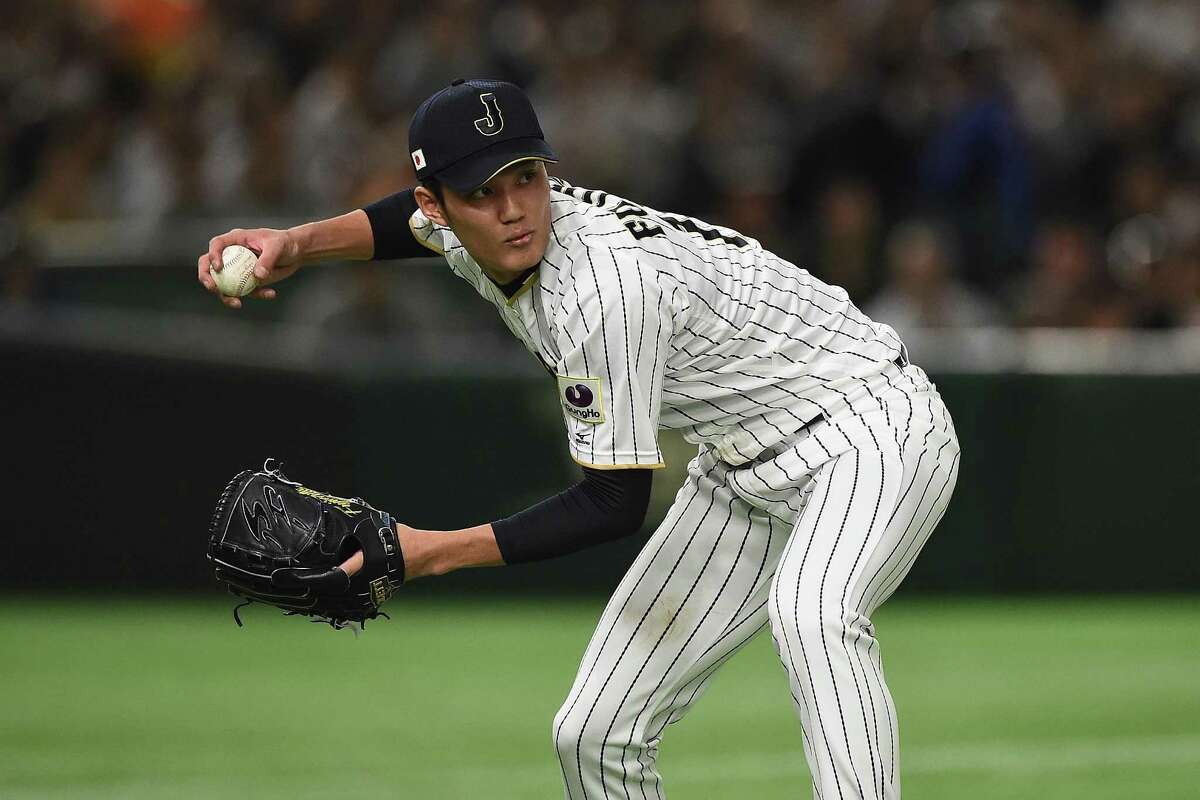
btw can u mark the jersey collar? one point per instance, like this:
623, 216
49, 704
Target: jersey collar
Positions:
516, 287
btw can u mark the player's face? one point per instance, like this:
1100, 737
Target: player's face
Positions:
504, 224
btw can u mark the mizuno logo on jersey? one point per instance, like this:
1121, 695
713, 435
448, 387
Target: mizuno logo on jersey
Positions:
581, 398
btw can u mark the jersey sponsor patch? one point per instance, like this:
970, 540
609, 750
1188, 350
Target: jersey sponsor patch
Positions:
581, 398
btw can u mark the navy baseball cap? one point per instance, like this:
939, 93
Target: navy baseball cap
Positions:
468, 132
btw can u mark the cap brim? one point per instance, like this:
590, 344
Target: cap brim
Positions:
481, 167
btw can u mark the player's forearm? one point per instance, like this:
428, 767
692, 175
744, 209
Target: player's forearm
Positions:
605, 506
439, 552
347, 237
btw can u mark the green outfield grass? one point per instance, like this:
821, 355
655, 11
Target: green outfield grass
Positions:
1030, 699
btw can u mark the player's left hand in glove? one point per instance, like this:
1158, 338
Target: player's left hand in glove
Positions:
275, 541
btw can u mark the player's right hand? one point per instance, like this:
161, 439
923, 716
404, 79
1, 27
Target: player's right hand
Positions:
278, 258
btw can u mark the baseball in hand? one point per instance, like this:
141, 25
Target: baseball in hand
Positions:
236, 277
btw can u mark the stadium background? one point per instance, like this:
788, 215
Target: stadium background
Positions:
1015, 186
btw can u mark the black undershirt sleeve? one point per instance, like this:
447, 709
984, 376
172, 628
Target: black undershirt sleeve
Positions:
606, 505
389, 225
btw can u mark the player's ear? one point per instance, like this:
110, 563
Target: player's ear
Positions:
430, 206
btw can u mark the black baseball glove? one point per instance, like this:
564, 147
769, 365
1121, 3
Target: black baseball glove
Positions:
275, 541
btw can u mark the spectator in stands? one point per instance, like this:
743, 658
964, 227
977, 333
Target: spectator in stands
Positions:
1067, 286
848, 245
976, 168
21, 281
1172, 293
923, 289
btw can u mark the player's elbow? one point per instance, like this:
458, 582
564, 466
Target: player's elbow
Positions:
625, 510
620, 497
621, 524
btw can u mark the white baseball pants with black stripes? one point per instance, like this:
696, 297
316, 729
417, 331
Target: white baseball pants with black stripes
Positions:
809, 538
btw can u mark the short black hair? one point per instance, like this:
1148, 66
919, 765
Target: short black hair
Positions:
435, 186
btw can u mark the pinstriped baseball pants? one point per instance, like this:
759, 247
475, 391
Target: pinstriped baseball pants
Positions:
810, 538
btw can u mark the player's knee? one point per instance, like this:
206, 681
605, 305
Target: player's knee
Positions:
808, 621
569, 732
576, 734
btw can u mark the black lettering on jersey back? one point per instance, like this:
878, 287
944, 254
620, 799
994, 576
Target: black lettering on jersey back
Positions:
688, 225
643, 228
640, 228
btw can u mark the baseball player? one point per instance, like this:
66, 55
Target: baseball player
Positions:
825, 459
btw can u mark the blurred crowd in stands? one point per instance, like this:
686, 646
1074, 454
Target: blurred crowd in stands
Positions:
1033, 162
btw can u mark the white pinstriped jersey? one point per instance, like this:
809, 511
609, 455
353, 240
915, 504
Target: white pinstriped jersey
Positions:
652, 319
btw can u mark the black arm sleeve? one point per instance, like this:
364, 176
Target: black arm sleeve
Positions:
604, 506
389, 225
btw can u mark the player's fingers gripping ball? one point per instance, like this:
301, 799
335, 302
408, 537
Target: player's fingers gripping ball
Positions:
273, 540
236, 276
